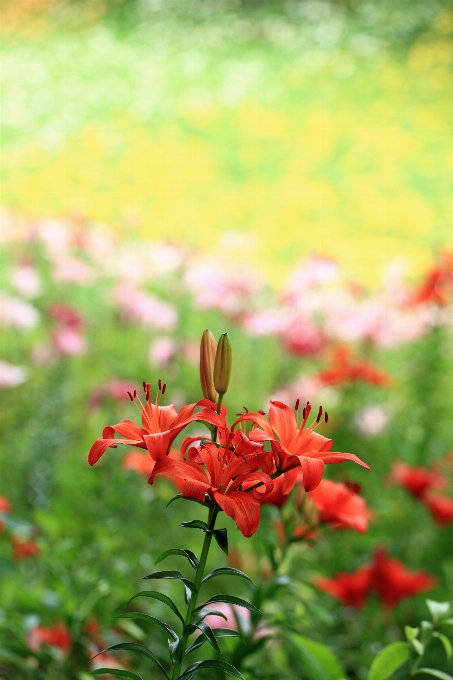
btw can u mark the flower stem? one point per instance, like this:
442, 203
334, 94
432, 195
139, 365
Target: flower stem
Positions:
213, 512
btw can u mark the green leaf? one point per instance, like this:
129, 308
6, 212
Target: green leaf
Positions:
411, 633
219, 633
319, 661
210, 663
193, 559
230, 599
448, 647
434, 673
227, 571
6, 655
176, 649
206, 631
418, 646
116, 672
438, 610
447, 622
221, 537
388, 660
161, 597
201, 614
179, 496
173, 575
134, 647
195, 524
151, 619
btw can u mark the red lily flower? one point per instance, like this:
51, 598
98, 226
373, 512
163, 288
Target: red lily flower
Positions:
229, 470
160, 426
138, 462
5, 506
23, 548
277, 496
350, 588
346, 369
441, 508
416, 480
295, 445
55, 636
340, 507
393, 582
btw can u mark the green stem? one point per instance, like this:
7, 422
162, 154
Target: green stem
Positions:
219, 407
213, 512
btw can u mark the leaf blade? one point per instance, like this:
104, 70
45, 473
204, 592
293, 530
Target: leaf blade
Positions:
161, 597
388, 661
227, 571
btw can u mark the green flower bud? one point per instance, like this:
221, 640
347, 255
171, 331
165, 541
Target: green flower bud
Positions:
223, 364
208, 347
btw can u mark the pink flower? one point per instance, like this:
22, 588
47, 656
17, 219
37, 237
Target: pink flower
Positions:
371, 420
303, 338
114, 388
16, 313
232, 613
72, 270
162, 350
11, 375
69, 341
26, 281
145, 308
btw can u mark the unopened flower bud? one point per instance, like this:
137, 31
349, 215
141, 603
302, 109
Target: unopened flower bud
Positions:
208, 348
223, 364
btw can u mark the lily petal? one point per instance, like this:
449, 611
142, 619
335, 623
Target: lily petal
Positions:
242, 508
312, 470
100, 446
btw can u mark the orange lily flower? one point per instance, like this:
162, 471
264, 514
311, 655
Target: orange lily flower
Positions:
340, 507
229, 469
296, 445
160, 426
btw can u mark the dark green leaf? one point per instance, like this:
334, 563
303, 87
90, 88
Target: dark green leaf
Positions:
195, 524
446, 644
134, 647
210, 663
221, 537
187, 594
176, 649
218, 632
179, 496
227, 571
319, 661
201, 614
388, 660
172, 575
150, 619
116, 672
438, 610
440, 675
159, 596
193, 559
230, 599
206, 631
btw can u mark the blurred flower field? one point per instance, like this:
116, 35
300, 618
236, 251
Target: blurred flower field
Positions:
281, 173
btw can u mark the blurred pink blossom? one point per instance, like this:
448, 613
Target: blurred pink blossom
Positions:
231, 612
69, 341
11, 375
17, 313
145, 307
303, 338
162, 350
26, 280
114, 388
72, 269
371, 420
270, 321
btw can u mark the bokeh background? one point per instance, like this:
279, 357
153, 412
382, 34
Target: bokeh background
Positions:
280, 170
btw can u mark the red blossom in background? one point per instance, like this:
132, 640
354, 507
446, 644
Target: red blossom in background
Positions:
23, 548
115, 389
388, 577
437, 286
440, 507
141, 463
295, 445
346, 368
5, 507
416, 480
56, 636
340, 507
350, 588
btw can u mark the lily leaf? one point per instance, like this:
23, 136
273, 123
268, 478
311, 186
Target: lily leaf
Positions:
388, 660
179, 496
173, 575
206, 631
221, 536
158, 596
210, 663
116, 672
192, 558
134, 647
446, 644
230, 599
195, 524
440, 675
227, 571
201, 614
219, 633
150, 619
